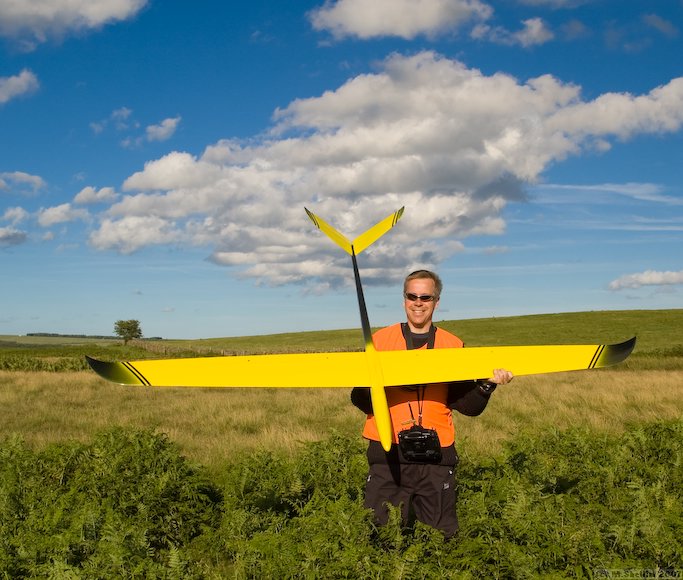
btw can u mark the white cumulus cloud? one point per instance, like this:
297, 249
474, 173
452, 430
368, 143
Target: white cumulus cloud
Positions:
15, 215
404, 18
119, 118
11, 237
32, 22
449, 143
89, 195
163, 131
61, 214
534, 31
647, 278
624, 115
134, 232
21, 182
24, 83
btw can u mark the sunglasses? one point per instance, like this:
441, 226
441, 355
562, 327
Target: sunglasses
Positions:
416, 297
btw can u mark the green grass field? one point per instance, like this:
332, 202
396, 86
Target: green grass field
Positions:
214, 426
569, 475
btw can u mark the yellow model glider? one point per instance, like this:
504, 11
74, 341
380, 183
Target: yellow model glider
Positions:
374, 369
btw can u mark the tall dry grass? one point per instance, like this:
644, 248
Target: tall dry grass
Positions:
605, 401
213, 426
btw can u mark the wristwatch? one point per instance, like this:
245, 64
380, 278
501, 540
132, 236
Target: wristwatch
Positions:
486, 387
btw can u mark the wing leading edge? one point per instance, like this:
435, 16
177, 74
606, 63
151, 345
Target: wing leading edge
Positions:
350, 369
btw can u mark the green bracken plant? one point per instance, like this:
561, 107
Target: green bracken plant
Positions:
557, 504
121, 506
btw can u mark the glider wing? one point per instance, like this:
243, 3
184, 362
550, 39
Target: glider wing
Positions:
350, 369
461, 364
340, 369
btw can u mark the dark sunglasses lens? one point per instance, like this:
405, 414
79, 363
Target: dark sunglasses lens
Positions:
423, 298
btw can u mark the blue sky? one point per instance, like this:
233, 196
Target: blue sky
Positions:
156, 158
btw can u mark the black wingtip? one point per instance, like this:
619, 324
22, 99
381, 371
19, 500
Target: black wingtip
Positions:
615, 353
115, 372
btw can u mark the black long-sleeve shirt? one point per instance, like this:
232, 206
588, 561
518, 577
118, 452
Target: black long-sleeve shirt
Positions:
465, 397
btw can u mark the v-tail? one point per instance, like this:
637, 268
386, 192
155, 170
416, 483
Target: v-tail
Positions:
378, 397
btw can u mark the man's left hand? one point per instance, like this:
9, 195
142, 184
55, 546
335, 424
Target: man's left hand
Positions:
501, 377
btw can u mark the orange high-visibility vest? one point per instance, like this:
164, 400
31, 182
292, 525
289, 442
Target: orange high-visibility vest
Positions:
402, 400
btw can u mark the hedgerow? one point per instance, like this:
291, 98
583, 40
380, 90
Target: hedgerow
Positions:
65, 358
561, 504
26, 363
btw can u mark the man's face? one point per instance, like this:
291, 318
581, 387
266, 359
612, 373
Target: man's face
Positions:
420, 312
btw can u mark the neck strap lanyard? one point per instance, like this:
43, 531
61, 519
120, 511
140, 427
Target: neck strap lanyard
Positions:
420, 405
410, 345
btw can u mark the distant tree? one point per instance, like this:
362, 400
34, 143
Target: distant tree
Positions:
127, 330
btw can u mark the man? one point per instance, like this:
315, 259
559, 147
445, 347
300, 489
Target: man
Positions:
418, 471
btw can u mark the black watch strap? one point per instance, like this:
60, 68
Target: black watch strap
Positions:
486, 387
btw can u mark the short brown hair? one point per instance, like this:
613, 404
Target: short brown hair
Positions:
418, 274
